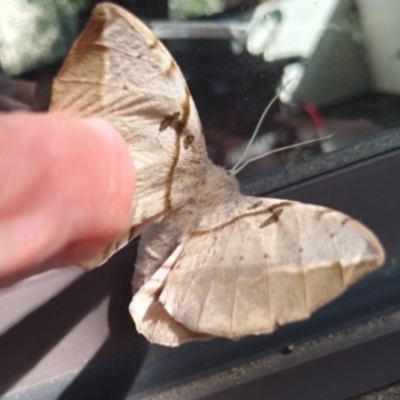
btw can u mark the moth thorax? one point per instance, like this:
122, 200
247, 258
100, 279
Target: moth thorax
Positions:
218, 185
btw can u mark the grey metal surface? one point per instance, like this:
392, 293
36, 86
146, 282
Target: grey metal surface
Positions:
199, 29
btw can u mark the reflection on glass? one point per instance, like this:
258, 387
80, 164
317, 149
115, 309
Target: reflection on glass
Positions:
335, 64
328, 59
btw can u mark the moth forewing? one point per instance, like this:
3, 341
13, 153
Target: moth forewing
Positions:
118, 70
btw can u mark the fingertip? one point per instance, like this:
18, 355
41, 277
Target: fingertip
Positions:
121, 184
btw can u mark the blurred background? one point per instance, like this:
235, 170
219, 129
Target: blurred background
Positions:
335, 64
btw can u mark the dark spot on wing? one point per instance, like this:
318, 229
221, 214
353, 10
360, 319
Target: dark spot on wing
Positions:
346, 220
280, 205
273, 219
182, 122
187, 141
168, 121
154, 43
276, 210
255, 205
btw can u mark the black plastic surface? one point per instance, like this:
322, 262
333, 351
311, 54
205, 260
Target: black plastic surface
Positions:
125, 366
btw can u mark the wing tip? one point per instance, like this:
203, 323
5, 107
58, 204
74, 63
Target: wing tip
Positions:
376, 248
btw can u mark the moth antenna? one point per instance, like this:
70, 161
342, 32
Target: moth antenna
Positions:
234, 170
278, 150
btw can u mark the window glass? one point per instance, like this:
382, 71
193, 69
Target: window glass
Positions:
332, 63
333, 68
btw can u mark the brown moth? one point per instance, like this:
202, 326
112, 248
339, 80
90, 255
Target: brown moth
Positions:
211, 262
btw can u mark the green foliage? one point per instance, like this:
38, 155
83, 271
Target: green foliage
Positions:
36, 32
184, 9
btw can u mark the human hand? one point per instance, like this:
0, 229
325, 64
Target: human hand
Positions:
66, 191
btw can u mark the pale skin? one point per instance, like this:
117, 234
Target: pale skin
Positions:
66, 190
